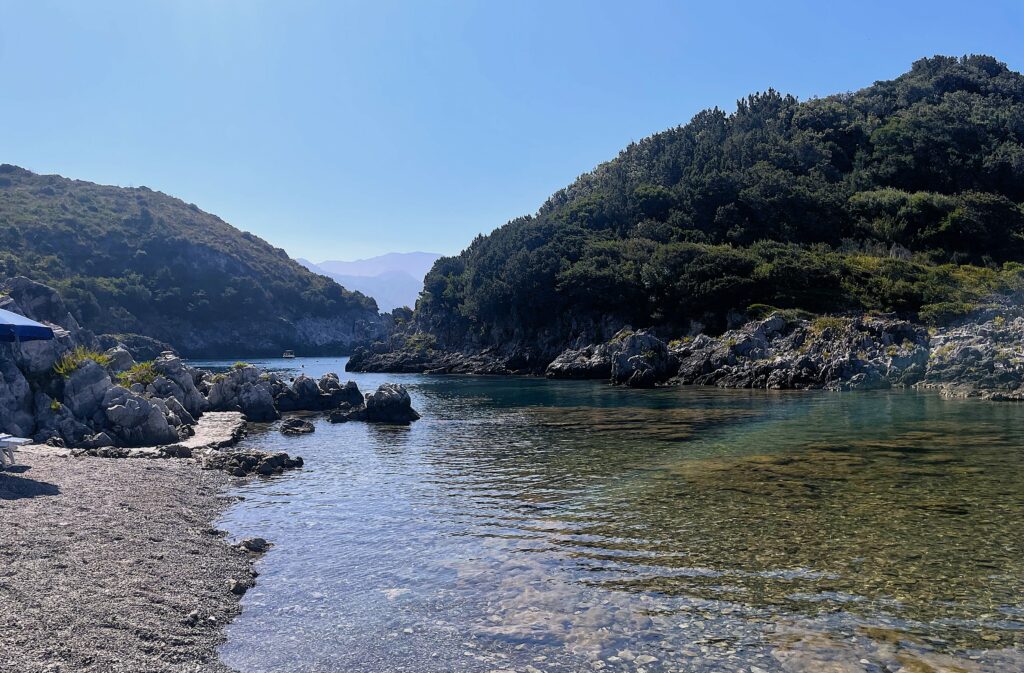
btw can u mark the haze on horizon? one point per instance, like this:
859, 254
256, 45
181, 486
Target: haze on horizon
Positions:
344, 130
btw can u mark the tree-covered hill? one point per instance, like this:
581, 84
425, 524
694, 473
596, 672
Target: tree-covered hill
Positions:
904, 196
139, 261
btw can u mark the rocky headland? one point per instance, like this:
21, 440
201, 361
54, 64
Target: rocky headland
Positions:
980, 357
72, 392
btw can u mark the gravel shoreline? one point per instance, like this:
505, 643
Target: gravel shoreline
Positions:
112, 565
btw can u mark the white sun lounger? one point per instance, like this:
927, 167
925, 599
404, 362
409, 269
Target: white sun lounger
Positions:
7, 444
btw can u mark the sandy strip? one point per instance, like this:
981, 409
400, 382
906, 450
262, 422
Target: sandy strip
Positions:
102, 561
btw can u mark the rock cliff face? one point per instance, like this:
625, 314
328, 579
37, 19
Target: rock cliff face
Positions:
270, 336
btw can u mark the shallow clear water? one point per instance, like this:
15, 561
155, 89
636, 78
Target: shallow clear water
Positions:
530, 525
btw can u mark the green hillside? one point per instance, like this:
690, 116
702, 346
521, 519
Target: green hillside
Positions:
139, 261
904, 196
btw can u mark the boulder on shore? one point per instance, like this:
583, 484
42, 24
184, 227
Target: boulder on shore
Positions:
84, 390
172, 368
635, 359
390, 403
243, 389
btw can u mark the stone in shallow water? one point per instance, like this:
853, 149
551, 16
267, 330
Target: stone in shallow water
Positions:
297, 426
256, 545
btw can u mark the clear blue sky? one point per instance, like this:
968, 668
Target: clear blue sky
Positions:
344, 129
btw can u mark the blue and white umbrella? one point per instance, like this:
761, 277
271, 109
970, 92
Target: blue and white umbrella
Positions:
14, 327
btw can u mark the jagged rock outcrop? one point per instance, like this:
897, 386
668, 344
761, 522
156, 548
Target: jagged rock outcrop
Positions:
390, 403
136, 420
588, 362
307, 394
42, 304
173, 369
512, 359
832, 353
979, 359
243, 389
101, 402
120, 359
16, 401
338, 392
55, 421
635, 359
85, 389
38, 302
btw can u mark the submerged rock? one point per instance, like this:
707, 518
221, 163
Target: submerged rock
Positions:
254, 545
296, 426
243, 462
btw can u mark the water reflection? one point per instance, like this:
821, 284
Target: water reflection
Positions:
572, 526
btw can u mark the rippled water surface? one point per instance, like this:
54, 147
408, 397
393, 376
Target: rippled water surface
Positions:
528, 525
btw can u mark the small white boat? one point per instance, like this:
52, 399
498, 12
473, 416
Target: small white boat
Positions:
288, 355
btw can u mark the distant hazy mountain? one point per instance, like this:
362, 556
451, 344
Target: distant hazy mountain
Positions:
415, 264
394, 279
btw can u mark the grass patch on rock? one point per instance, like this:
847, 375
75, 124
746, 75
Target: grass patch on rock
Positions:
72, 360
142, 373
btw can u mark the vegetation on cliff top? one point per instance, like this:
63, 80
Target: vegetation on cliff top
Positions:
904, 196
139, 261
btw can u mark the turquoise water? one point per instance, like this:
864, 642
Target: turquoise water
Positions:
530, 525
